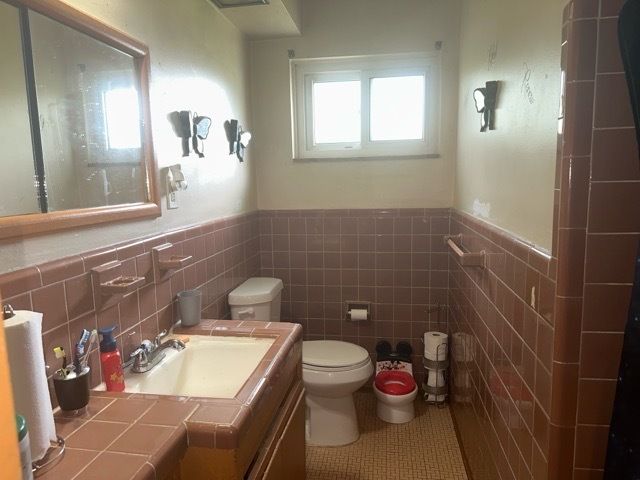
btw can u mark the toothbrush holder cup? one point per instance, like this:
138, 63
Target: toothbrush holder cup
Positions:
72, 391
190, 307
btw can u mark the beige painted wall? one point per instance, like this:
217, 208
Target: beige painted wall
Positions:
341, 28
507, 176
199, 62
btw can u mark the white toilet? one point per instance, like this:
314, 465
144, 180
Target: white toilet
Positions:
257, 299
395, 392
331, 372
394, 385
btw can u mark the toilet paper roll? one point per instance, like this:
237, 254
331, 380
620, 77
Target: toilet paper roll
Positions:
435, 346
359, 314
435, 398
435, 378
29, 379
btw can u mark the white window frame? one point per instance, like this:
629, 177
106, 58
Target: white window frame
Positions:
304, 72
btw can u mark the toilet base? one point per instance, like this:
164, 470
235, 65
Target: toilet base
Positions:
395, 413
331, 422
395, 408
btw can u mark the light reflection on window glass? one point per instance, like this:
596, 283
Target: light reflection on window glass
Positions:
122, 118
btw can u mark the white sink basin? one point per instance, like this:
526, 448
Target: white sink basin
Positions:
214, 367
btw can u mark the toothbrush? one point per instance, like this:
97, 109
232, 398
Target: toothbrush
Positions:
80, 349
59, 353
84, 360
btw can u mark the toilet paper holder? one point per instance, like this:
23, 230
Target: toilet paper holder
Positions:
357, 305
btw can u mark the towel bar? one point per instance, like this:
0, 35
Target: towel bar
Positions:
466, 259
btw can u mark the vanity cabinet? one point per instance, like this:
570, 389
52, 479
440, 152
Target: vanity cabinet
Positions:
282, 454
273, 452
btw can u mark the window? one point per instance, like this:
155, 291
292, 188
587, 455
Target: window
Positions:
376, 106
122, 118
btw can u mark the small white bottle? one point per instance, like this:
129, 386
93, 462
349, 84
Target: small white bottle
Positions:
25, 448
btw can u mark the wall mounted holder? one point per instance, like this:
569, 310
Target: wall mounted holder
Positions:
238, 138
190, 127
466, 259
486, 100
357, 306
166, 260
111, 285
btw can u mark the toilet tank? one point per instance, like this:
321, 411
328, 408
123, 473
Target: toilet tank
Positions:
257, 299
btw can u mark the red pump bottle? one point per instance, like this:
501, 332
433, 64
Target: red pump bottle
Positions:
111, 361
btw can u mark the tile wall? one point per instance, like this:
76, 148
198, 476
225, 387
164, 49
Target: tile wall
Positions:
225, 253
601, 224
538, 393
395, 259
501, 371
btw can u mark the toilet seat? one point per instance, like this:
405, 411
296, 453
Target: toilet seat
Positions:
332, 355
320, 368
395, 383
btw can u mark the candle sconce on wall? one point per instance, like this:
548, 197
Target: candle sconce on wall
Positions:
190, 127
238, 138
486, 100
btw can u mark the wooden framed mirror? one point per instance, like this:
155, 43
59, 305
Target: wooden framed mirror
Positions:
75, 128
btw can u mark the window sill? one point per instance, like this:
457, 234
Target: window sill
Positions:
372, 157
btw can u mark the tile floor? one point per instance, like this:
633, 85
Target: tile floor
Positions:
424, 449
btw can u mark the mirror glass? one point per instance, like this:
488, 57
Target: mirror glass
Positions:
18, 194
89, 107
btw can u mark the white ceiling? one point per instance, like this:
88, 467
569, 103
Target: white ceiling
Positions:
280, 18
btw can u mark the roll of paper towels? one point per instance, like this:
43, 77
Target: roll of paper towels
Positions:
29, 379
435, 346
359, 314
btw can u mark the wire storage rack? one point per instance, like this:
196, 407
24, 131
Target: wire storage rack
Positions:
438, 393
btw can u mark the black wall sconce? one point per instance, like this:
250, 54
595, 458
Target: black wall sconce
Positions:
237, 137
188, 127
486, 100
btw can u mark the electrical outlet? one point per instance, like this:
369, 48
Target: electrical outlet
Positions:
172, 200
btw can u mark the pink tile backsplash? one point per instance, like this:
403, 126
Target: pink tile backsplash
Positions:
225, 253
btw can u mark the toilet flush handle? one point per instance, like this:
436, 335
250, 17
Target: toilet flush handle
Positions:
245, 312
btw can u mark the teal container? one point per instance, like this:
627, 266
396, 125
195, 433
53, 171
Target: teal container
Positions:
25, 448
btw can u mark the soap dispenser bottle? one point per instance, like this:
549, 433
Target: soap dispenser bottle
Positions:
111, 361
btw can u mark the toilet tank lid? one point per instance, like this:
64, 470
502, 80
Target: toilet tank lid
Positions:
256, 290
332, 353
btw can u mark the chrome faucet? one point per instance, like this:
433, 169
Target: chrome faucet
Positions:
149, 354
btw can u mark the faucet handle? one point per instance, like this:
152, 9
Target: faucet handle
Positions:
138, 352
160, 336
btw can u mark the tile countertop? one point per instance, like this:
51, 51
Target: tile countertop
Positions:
124, 436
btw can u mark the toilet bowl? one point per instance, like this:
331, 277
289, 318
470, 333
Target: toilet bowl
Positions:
331, 372
395, 391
